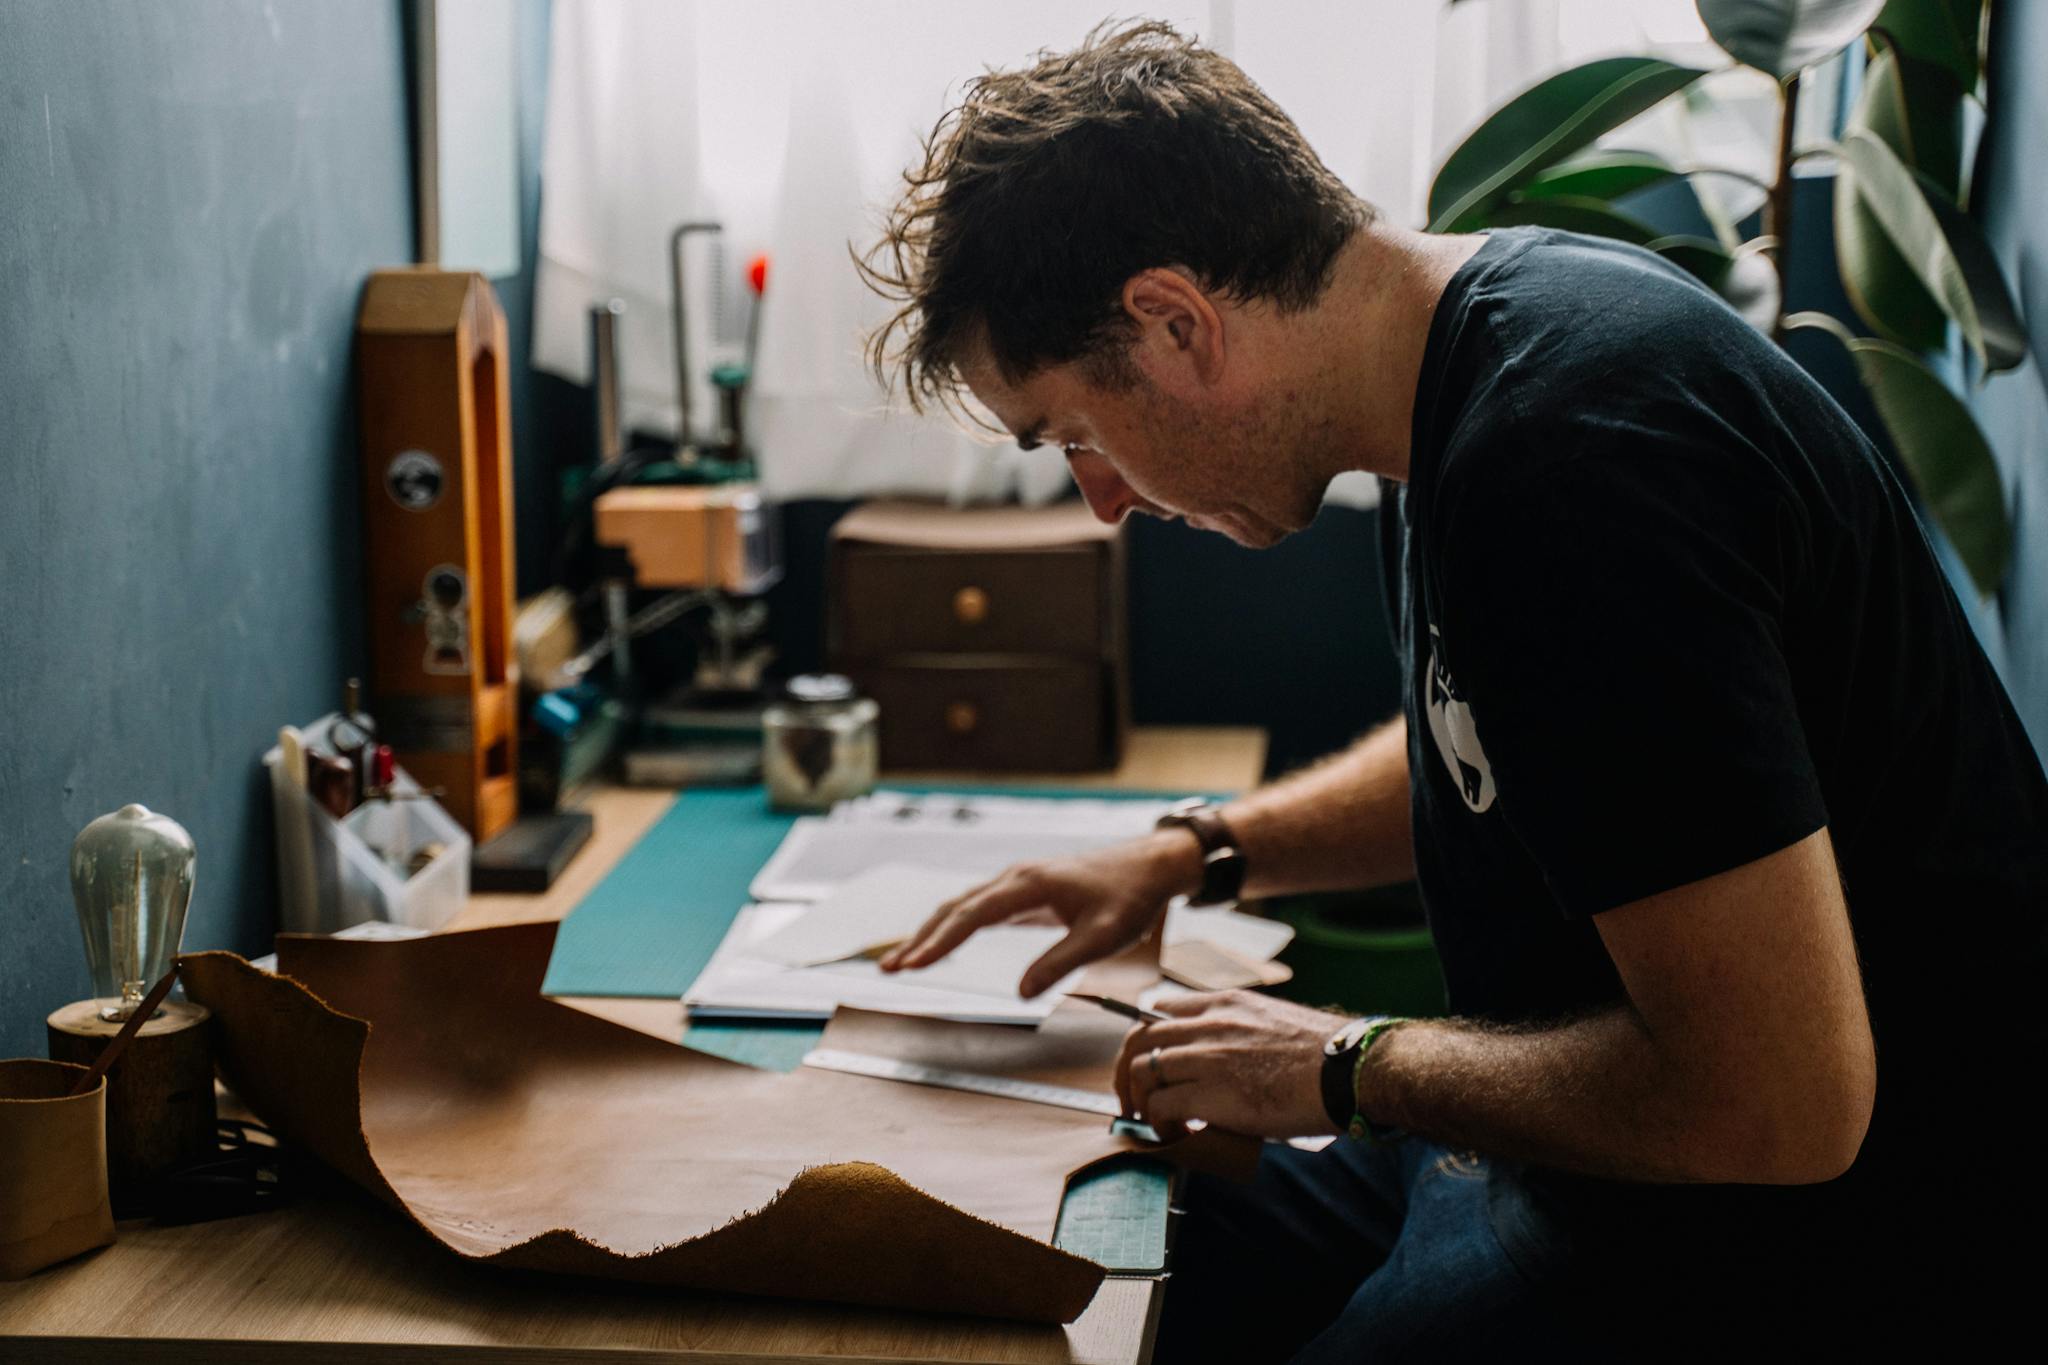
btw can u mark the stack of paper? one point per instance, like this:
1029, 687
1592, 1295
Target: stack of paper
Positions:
844, 886
803, 961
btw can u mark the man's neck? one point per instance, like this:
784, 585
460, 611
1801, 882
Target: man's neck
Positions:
1367, 336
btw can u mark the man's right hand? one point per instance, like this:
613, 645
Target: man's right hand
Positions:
1108, 899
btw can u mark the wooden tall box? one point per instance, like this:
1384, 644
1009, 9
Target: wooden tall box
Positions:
993, 638
437, 510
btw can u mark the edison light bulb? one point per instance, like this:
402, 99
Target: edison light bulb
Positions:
131, 877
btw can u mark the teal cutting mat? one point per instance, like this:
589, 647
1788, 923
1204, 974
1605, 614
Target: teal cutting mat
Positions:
768, 1045
650, 926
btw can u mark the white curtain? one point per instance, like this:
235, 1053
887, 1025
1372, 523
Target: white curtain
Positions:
789, 121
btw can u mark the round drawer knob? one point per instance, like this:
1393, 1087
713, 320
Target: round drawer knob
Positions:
970, 606
962, 717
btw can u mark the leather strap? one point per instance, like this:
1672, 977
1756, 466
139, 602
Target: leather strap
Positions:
1223, 862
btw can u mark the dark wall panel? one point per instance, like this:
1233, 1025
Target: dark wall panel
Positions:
190, 197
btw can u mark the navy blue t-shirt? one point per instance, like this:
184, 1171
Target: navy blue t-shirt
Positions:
1664, 610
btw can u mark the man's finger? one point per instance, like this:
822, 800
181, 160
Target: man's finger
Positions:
889, 961
1138, 1043
1161, 1065
1084, 943
1170, 1107
1120, 1074
1193, 1003
951, 924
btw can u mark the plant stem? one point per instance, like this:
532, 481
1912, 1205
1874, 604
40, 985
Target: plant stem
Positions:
1778, 218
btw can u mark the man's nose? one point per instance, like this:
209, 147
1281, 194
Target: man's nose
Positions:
1105, 492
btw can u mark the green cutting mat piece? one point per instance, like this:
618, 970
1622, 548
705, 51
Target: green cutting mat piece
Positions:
650, 926
1115, 1215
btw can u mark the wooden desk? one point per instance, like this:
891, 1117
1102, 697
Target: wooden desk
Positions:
339, 1278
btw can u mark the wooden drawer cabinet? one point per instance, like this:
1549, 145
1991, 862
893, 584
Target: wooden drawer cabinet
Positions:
993, 638
1014, 602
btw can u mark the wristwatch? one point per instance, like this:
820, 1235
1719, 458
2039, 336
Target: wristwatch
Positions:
1343, 1058
1222, 860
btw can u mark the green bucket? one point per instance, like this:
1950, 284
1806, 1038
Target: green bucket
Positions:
1365, 952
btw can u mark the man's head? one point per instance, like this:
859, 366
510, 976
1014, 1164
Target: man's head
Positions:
1104, 248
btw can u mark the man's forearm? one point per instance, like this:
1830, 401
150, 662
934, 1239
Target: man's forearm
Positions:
1594, 1095
1341, 824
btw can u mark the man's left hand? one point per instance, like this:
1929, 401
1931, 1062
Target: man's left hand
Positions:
1236, 1059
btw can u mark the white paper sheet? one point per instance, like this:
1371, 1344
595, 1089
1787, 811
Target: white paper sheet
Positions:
882, 905
970, 835
738, 984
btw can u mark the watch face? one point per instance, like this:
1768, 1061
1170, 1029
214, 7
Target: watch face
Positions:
1345, 1037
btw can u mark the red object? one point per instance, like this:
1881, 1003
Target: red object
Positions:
757, 274
383, 768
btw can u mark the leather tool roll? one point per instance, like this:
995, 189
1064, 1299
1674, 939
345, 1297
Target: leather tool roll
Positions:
523, 1133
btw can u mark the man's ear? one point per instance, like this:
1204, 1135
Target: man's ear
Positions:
1180, 341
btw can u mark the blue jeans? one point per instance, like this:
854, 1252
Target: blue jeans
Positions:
1401, 1252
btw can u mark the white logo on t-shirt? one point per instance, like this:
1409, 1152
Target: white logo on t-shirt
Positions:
1457, 739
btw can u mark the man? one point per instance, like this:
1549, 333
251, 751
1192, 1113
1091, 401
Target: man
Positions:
1733, 848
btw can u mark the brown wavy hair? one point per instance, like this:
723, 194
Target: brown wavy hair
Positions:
1049, 187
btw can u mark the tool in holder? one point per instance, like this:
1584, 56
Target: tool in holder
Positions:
437, 464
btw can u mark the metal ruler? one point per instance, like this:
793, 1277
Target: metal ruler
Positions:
889, 1069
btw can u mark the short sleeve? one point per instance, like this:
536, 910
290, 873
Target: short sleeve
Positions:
1614, 621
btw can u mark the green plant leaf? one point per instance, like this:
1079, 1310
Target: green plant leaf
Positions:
1942, 447
1785, 36
1599, 175
1753, 289
1945, 248
1917, 109
1701, 257
1925, 129
1938, 32
1881, 287
1543, 125
1572, 213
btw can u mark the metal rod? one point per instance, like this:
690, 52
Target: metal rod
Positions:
679, 317
604, 379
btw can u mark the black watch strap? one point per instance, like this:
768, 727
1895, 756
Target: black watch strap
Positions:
1223, 864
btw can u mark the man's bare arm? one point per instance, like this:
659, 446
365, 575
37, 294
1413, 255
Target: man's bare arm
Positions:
1743, 1051
1339, 825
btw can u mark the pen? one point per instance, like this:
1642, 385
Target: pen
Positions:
1123, 1007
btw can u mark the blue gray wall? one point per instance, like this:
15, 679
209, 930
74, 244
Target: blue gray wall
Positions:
2012, 201
190, 197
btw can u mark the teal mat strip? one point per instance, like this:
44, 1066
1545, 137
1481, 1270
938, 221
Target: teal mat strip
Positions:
649, 927
1115, 1215
768, 1045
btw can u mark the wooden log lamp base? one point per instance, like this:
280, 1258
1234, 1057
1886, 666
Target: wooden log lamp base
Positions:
160, 1111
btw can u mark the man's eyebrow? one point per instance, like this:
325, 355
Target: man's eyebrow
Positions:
1033, 436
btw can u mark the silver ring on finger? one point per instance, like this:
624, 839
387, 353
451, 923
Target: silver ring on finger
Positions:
1158, 1078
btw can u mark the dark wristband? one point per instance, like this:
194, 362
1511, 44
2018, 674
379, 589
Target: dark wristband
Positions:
1223, 862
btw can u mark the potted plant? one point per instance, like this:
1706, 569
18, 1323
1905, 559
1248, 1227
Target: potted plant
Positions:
1915, 266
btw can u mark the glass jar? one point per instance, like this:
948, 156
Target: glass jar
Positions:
818, 744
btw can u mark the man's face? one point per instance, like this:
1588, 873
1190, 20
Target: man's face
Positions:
1217, 466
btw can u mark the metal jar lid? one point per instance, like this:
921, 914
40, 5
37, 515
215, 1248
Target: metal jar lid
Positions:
821, 689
